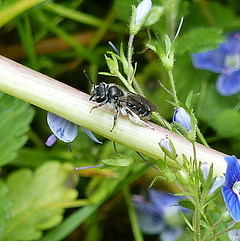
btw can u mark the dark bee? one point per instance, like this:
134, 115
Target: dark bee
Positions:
115, 97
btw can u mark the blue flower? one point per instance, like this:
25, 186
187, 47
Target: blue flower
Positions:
160, 215
64, 130
224, 60
231, 190
61, 128
183, 118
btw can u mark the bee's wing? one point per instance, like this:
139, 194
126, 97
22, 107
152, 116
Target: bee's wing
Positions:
138, 100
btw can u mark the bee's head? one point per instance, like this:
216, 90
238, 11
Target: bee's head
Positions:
99, 92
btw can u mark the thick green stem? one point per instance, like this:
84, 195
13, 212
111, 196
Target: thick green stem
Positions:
75, 106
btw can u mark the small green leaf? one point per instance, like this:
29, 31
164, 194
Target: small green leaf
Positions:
168, 43
37, 199
119, 161
185, 203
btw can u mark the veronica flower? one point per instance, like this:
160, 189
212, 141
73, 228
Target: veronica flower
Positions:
64, 130
231, 190
160, 215
224, 60
183, 118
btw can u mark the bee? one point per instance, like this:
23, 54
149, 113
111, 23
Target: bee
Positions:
115, 97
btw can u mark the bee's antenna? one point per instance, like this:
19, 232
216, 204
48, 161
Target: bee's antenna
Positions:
84, 71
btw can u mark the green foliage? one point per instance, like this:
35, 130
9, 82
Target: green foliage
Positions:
227, 123
5, 207
33, 209
202, 39
16, 117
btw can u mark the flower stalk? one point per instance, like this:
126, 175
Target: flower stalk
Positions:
74, 105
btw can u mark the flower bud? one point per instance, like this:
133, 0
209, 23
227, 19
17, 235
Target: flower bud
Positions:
183, 118
139, 16
142, 10
183, 177
205, 167
168, 148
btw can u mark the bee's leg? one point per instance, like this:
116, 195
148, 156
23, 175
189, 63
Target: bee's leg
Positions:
97, 106
136, 119
115, 118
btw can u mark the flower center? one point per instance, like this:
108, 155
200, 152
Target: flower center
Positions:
236, 189
233, 61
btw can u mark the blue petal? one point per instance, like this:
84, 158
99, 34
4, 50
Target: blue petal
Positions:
61, 128
233, 43
229, 83
171, 234
211, 60
232, 202
163, 201
91, 136
51, 140
233, 171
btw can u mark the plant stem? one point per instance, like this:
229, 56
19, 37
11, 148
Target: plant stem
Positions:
132, 216
130, 42
174, 92
74, 105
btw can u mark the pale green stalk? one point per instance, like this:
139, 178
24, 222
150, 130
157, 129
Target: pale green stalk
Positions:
74, 105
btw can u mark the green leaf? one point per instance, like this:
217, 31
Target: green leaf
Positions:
16, 117
118, 160
185, 203
199, 40
5, 207
38, 199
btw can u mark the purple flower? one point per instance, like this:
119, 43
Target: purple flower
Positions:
231, 190
183, 118
160, 215
224, 60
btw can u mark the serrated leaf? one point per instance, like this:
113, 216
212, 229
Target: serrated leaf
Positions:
118, 161
5, 207
185, 203
199, 40
16, 116
36, 198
